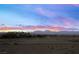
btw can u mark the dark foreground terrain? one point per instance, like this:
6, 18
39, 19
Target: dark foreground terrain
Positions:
22, 43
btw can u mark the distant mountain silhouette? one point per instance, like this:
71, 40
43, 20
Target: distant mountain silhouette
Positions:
57, 33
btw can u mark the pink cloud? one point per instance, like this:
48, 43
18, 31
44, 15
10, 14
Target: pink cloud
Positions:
45, 12
68, 21
76, 5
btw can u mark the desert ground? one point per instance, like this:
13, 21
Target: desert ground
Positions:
45, 44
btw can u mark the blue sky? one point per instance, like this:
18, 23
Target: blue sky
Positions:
40, 14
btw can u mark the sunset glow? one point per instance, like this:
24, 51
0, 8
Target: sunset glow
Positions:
35, 17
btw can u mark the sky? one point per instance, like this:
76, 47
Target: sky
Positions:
65, 15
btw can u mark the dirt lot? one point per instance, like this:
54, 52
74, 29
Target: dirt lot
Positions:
40, 45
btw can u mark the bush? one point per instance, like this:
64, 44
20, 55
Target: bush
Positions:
16, 35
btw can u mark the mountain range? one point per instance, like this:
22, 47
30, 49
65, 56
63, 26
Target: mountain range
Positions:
56, 33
